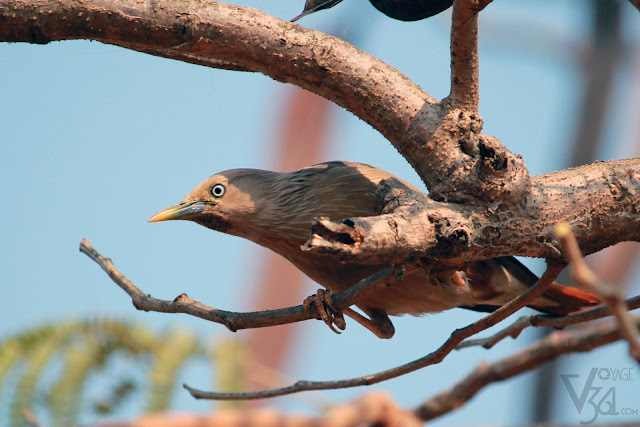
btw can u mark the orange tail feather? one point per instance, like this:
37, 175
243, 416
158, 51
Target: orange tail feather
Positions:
568, 298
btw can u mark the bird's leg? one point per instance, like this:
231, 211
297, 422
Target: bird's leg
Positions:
327, 311
378, 323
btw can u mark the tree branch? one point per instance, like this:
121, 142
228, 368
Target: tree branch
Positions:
539, 320
465, 64
214, 33
431, 359
533, 356
246, 37
236, 321
601, 201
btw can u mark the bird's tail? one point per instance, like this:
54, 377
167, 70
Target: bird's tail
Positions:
557, 299
561, 300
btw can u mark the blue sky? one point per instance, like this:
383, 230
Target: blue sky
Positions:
94, 139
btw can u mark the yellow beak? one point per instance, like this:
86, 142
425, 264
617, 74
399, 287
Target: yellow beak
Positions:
182, 210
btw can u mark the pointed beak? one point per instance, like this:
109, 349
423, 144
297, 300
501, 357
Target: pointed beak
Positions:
183, 210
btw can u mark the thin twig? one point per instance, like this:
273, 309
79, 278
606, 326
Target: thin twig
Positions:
433, 358
539, 320
578, 340
233, 320
610, 294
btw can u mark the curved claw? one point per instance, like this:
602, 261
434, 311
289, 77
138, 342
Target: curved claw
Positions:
338, 320
326, 310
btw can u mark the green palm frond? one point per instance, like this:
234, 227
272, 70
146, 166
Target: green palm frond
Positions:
171, 352
34, 358
50, 369
230, 358
65, 395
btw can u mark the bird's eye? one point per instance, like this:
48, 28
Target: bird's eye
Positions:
218, 190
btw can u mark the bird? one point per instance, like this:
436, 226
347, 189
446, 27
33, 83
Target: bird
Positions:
411, 10
402, 10
276, 209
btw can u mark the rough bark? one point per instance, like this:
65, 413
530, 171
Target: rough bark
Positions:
599, 201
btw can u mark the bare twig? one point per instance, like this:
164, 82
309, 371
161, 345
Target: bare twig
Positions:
539, 320
431, 359
610, 294
233, 320
578, 340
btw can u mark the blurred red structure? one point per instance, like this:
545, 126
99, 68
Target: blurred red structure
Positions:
301, 141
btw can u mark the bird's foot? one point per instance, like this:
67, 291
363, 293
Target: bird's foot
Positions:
326, 310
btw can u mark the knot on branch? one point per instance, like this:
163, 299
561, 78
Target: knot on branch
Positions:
469, 126
410, 224
334, 238
392, 193
36, 35
460, 164
492, 157
391, 237
184, 26
453, 234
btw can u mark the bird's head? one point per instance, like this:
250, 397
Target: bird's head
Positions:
275, 209
226, 202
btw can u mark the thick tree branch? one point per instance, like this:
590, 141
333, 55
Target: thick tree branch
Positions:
232, 320
601, 202
431, 359
533, 356
443, 145
247, 37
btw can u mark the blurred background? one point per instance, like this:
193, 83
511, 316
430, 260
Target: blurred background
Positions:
94, 139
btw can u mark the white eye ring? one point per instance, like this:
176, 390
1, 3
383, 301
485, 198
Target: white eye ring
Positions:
218, 190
